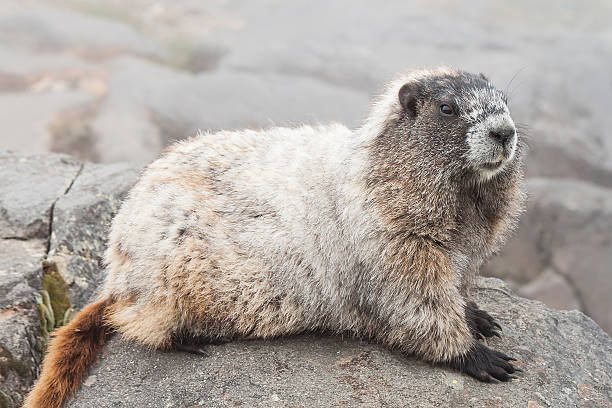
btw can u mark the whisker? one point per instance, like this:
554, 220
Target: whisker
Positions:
524, 131
512, 80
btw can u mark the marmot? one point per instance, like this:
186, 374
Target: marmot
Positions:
258, 234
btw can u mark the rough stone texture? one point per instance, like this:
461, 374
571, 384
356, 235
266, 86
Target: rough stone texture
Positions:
567, 360
39, 195
82, 219
29, 187
20, 348
567, 357
566, 233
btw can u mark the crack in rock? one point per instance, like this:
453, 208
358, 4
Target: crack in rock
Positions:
52, 208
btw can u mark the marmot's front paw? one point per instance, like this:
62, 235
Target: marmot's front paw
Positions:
486, 364
480, 322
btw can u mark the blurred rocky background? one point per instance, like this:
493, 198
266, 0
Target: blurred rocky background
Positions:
109, 81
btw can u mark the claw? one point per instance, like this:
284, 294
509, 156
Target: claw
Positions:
492, 379
193, 349
486, 364
482, 322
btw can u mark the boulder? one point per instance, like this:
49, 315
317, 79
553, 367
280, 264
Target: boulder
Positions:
20, 333
82, 219
562, 251
30, 185
57, 210
29, 188
566, 358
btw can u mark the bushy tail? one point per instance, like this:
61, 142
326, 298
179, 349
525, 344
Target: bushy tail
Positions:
70, 353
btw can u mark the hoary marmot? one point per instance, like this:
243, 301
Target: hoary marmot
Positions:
258, 234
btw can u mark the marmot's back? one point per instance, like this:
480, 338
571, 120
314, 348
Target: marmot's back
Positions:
232, 217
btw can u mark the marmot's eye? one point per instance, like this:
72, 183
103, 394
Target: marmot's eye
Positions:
446, 110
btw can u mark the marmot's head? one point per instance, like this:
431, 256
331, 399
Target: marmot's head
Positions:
450, 121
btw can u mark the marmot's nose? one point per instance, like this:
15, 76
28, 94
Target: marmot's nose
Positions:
503, 134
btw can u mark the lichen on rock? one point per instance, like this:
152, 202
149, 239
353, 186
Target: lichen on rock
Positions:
56, 307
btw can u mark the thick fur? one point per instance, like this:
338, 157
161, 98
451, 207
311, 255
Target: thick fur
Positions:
378, 231
72, 350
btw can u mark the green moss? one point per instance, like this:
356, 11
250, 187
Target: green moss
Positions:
46, 324
54, 306
57, 289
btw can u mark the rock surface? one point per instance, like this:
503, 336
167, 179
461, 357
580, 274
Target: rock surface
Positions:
567, 360
29, 188
57, 208
82, 218
563, 246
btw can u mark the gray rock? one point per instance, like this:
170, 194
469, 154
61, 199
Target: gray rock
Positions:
552, 289
20, 348
20, 270
567, 360
566, 356
39, 195
29, 188
81, 219
145, 100
567, 229
31, 114
53, 29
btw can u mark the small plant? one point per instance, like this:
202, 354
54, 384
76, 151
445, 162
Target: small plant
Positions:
53, 302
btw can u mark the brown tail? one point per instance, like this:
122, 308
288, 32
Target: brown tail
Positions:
72, 350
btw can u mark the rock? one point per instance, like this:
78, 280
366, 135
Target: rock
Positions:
552, 289
567, 360
567, 229
55, 30
81, 221
31, 114
29, 188
40, 194
20, 335
567, 357
145, 100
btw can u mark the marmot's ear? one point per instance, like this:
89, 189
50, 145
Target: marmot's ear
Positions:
483, 76
408, 98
